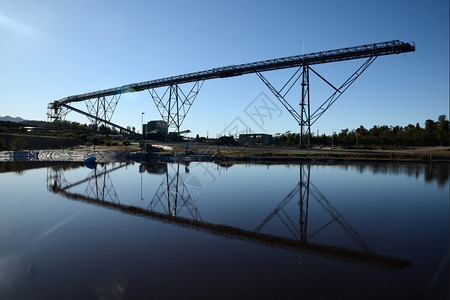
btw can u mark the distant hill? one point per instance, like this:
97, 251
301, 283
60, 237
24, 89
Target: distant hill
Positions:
23, 121
11, 119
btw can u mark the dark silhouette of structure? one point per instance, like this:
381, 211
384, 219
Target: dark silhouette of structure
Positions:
173, 104
175, 202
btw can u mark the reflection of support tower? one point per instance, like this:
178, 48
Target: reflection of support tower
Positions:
284, 217
338, 218
306, 189
175, 194
304, 199
99, 185
55, 178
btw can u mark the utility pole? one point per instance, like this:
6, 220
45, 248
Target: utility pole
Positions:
142, 122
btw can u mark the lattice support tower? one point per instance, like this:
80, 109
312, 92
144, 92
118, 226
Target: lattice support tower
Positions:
101, 109
305, 118
173, 104
56, 113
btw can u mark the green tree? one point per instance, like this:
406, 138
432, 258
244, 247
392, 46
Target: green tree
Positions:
343, 138
126, 144
430, 133
443, 133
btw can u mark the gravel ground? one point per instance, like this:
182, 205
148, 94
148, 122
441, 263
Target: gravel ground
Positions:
435, 153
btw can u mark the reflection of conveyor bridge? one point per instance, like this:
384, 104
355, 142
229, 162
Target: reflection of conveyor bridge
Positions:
173, 195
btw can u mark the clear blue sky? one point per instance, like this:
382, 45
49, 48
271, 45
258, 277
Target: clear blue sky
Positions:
53, 49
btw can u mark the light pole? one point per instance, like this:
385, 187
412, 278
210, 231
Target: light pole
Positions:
142, 122
332, 130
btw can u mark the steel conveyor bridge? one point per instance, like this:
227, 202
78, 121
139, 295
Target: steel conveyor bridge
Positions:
174, 104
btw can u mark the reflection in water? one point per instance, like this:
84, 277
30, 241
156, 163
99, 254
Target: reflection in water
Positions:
99, 185
111, 284
176, 193
175, 202
438, 172
431, 172
53, 228
20, 166
305, 189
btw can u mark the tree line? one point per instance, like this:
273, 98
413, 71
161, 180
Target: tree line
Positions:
60, 128
434, 133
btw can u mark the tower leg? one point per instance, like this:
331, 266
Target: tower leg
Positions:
305, 124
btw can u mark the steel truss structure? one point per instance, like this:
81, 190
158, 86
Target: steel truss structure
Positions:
102, 108
176, 107
305, 119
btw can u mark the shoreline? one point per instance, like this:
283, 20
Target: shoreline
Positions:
107, 156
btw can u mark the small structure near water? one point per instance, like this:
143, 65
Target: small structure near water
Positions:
255, 138
156, 129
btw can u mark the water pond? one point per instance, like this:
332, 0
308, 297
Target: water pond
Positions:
221, 231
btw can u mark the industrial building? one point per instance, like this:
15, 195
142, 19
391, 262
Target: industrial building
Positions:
255, 138
156, 129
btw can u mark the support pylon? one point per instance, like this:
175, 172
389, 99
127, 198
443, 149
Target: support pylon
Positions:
305, 115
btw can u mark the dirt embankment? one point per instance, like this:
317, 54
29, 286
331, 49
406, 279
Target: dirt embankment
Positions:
238, 152
33, 142
279, 153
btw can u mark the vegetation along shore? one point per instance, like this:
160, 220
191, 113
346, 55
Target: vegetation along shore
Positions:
34, 140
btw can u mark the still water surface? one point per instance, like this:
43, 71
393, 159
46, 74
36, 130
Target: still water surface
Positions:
311, 231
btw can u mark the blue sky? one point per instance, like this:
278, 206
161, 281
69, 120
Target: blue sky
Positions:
53, 49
